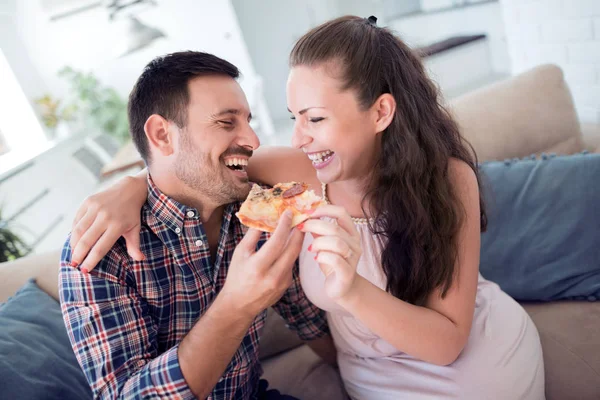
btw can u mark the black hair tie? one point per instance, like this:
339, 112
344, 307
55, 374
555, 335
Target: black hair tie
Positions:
372, 20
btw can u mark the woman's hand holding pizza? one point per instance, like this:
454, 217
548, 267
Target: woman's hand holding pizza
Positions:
337, 248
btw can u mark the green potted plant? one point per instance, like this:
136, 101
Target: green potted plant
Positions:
11, 245
98, 107
105, 108
53, 113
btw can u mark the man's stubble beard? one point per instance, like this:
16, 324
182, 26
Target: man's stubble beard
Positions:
196, 171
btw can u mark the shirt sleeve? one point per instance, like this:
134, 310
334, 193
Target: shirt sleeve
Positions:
302, 316
113, 335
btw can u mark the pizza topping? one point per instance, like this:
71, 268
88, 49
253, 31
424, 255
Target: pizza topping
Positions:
294, 191
263, 207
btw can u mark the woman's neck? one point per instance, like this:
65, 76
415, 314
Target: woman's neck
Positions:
350, 194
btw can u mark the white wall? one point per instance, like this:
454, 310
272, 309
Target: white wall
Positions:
20, 129
395, 8
37, 48
562, 32
20, 84
67, 183
270, 29
86, 41
462, 69
430, 5
12, 46
424, 29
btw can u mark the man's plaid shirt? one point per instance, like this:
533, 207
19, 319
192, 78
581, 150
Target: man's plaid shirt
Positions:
125, 318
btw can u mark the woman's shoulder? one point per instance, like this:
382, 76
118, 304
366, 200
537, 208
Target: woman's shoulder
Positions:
461, 173
463, 179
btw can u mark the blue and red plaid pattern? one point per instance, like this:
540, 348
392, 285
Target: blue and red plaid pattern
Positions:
126, 318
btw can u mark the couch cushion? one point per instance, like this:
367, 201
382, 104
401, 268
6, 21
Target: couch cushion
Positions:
36, 358
41, 267
570, 335
276, 337
529, 113
544, 224
302, 374
591, 137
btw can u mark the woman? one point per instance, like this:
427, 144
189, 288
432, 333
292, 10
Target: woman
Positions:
409, 312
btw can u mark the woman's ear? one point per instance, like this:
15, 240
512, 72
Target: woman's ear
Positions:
385, 108
159, 135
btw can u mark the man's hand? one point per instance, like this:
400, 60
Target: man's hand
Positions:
255, 281
258, 279
106, 216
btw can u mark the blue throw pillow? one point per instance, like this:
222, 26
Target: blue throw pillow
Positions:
36, 358
543, 237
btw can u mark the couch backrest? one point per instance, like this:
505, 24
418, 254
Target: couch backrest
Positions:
42, 267
529, 113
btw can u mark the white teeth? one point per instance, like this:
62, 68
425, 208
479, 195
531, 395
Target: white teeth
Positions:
236, 161
319, 157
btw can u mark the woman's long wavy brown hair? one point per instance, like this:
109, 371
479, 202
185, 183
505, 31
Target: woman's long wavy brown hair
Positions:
410, 189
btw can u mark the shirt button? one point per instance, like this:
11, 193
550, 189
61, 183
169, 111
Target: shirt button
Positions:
199, 242
178, 230
191, 214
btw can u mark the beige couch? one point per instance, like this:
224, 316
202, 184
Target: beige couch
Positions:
530, 113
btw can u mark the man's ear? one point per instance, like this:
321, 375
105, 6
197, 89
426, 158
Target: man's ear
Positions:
158, 134
385, 109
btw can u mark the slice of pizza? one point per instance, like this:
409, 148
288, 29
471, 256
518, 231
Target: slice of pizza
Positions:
263, 207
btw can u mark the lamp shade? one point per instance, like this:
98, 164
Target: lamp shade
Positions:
137, 36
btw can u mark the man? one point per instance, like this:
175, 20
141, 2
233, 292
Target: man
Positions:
185, 321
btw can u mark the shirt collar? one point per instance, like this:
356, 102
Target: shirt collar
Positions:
172, 213
167, 210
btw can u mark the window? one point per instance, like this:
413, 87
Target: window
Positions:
21, 135
3, 145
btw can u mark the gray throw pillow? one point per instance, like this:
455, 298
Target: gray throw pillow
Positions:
543, 238
36, 358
